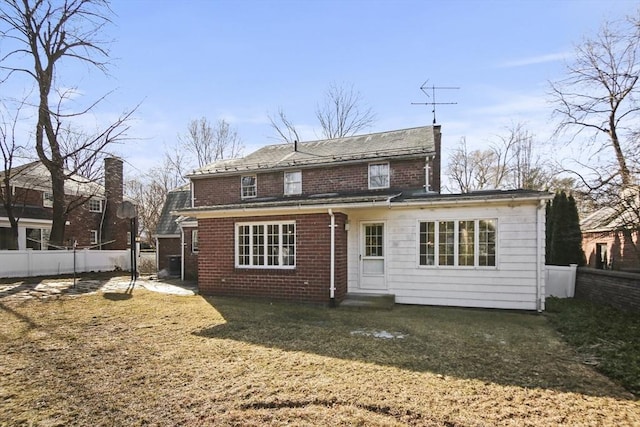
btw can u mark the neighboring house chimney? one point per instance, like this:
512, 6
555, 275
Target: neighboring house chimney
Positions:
113, 189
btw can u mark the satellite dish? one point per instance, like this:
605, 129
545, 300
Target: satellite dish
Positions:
126, 210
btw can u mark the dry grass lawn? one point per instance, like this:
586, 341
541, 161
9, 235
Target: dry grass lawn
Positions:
154, 359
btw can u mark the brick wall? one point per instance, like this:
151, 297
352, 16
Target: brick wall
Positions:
615, 288
308, 282
167, 246
405, 174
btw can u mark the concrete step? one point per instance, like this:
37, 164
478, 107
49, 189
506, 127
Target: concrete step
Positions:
386, 301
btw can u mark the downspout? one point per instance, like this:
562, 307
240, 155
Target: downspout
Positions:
540, 255
104, 212
427, 184
181, 253
332, 280
157, 255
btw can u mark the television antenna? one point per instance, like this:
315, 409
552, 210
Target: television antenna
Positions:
424, 88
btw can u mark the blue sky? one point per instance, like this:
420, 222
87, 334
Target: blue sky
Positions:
240, 60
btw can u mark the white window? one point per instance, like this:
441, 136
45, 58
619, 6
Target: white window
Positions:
266, 245
93, 239
469, 243
38, 238
292, 183
128, 238
378, 175
95, 205
47, 199
194, 241
248, 186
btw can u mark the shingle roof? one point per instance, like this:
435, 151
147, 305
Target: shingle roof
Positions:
420, 140
390, 196
177, 199
36, 176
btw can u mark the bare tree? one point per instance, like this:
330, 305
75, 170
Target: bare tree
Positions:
599, 99
342, 113
208, 144
284, 127
11, 150
149, 195
512, 161
46, 34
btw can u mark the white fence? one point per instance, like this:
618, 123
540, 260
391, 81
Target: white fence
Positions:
45, 263
560, 281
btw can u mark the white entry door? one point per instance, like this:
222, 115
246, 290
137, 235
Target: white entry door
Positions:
372, 252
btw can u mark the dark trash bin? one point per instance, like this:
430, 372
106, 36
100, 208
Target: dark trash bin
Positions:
175, 261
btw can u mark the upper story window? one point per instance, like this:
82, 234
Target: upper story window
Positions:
469, 243
248, 186
95, 205
47, 199
378, 175
292, 183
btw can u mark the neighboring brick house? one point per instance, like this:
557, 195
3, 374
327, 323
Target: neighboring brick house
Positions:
177, 237
93, 223
608, 243
313, 221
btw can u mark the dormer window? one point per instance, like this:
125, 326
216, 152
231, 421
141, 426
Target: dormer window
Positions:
292, 183
378, 175
47, 199
95, 205
248, 186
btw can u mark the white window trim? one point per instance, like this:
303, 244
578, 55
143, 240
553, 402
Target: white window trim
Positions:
194, 242
242, 196
91, 209
388, 175
476, 241
285, 183
47, 203
93, 237
280, 252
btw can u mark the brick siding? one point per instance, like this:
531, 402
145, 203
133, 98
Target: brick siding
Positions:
308, 282
404, 174
167, 247
615, 288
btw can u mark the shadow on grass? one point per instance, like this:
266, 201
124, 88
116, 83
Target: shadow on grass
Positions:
503, 347
121, 296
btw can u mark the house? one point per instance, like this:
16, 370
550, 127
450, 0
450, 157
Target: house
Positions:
177, 237
608, 242
313, 221
93, 223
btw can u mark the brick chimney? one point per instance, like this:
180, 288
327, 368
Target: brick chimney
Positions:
113, 228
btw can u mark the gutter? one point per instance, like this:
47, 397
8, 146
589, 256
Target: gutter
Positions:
181, 254
332, 279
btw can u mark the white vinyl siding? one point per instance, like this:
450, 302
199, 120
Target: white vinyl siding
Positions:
506, 278
265, 245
